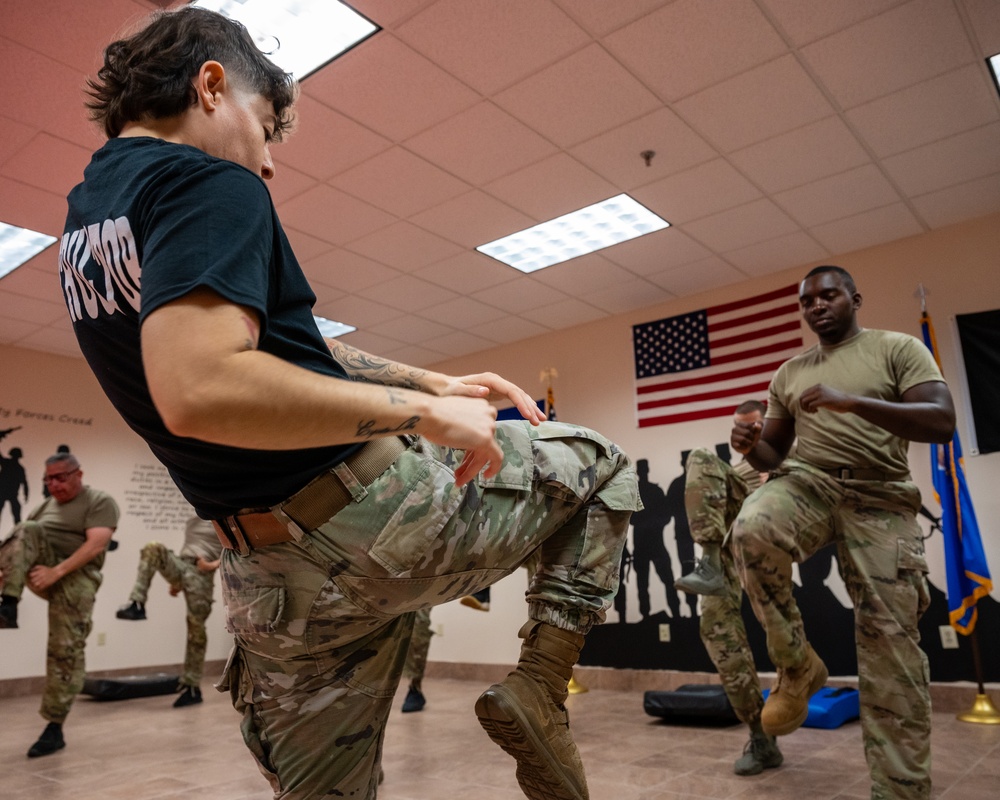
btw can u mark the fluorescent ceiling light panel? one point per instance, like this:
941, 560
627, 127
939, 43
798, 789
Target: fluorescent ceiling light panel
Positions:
18, 245
300, 36
575, 234
994, 62
331, 329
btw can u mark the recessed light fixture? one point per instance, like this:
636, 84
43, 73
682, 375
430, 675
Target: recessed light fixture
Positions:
18, 245
331, 329
994, 64
300, 36
595, 227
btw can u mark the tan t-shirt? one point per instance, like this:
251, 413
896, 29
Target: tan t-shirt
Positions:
877, 364
66, 524
200, 539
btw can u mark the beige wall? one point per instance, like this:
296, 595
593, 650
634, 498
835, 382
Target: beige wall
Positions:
958, 266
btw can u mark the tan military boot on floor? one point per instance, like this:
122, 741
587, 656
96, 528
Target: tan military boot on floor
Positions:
525, 714
787, 705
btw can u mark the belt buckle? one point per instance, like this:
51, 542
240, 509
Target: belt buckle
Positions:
236, 536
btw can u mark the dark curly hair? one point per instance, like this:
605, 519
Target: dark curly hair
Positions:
150, 74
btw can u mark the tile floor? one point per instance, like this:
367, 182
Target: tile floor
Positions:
143, 749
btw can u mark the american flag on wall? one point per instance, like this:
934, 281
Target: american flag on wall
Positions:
705, 363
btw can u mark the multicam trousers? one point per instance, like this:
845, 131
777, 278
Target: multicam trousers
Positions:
71, 610
713, 496
198, 588
321, 624
420, 645
880, 551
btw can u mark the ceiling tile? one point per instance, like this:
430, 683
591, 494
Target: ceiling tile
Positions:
552, 187
957, 203
627, 295
48, 163
601, 17
655, 252
770, 99
28, 207
370, 342
903, 46
304, 246
698, 277
405, 246
471, 39
308, 148
763, 258
408, 293
411, 328
481, 144
38, 278
738, 227
458, 343
579, 97
838, 196
472, 219
985, 18
415, 356
388, 12
467, 272
617, 154
947, 162
287, 183
564, 314
58, 339
464, 313
867, 229
584, 275
520, 295
698, 192
357, 311
805, 22
801, 156
394, 90
325, 294
512, 329
399, 182
13, 136
691, 44
332, 216
13, 330
931, 110
348, 271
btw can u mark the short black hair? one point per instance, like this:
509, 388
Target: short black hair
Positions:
150, 74
750, 406
845, 276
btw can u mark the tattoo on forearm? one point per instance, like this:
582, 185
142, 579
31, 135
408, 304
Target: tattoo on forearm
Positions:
364, 366
369, 428
396, 398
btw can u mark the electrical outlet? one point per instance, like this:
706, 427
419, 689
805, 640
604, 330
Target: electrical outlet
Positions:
949, 639
101, 639
664, 632
438, 629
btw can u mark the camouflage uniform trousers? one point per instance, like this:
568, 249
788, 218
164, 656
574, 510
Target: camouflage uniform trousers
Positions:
880, 552
198, 588
713, 496
322, 624
71, 610
420, 645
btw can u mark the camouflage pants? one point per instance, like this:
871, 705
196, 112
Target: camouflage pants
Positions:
880, 551
198, 588
71, 609
322, 624
713, 496
420, 645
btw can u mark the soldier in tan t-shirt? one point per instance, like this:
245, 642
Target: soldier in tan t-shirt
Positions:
851, 404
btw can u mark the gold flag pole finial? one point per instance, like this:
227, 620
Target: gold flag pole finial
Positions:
983, 711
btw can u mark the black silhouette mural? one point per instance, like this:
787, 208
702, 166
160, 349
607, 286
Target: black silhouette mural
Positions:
13, 482
658, 640
682, 531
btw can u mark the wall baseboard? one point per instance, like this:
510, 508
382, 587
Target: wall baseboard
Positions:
945, 697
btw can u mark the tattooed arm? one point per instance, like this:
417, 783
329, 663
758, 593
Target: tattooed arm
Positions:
209, 381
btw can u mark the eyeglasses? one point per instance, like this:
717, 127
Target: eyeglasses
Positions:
61, 477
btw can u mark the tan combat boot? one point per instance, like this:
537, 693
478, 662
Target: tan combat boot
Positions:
525, 714
787, 705
706, 578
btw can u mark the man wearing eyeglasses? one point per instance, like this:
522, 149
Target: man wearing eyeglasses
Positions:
58, 553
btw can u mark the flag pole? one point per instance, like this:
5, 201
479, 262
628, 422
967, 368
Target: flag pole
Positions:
983, 711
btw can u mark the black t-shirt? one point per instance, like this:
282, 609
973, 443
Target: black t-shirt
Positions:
168, 218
